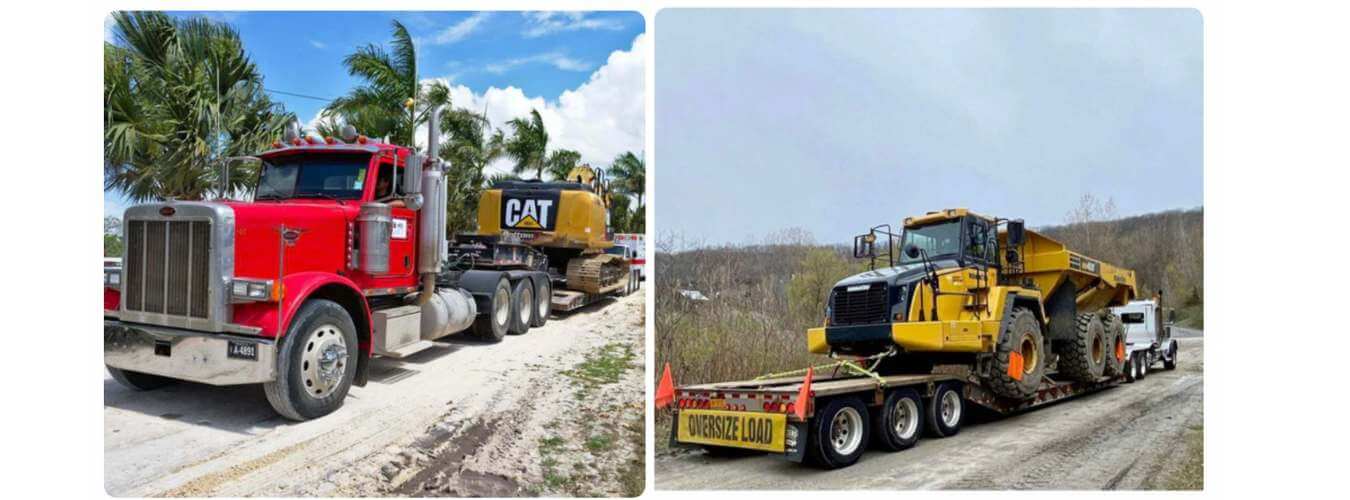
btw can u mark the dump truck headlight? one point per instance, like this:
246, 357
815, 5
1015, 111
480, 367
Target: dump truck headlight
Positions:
246, 290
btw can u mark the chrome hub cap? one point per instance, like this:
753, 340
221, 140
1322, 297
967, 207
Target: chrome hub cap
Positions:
544, 303
950, 408
905, 418
324, 362
526, 305
846, 431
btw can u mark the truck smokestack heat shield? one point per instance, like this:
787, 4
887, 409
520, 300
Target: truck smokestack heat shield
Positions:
375, 220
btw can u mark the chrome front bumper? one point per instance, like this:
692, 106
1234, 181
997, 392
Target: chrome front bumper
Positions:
188, 355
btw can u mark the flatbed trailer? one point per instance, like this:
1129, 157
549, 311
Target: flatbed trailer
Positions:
761, 414
513, 256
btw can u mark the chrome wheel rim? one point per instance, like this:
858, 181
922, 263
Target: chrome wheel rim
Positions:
950, 408
543, 302
905, 418
323, 363
846, 431
502, 308
527, 305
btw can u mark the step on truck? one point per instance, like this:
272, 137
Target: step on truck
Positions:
1006, 319
1148, 340
340, 256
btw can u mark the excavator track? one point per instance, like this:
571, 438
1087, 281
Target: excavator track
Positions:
597, 274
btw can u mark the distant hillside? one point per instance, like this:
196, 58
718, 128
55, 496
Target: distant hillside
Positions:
1165, 249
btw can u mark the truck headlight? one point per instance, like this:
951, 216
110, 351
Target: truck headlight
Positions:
247, 290
112, 278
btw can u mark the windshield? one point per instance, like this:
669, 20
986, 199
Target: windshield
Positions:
336, 176
943, 238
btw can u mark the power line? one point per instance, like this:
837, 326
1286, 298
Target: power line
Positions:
293, 94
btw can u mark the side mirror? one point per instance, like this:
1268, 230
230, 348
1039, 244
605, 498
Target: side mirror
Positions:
1016, 233
412, 174
864, 246
1171, 316
912, 251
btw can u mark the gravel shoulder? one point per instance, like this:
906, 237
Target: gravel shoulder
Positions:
462, 418
1134, 436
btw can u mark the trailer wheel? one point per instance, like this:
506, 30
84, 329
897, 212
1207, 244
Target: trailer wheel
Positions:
492, 323
899, 422
946, 410
522, 307
138, 381
316, 364
838, 433
1022, 335
543, 302
1083, 357
1170, 360
1115, 342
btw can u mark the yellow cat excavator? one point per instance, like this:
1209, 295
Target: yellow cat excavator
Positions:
568, 223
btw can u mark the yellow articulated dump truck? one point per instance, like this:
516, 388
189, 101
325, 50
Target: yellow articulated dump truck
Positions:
967, 308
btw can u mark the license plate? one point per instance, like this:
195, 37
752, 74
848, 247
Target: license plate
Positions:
756, 431
241, 350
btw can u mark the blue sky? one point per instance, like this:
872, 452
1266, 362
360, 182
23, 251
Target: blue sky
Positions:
836, 120
509, 61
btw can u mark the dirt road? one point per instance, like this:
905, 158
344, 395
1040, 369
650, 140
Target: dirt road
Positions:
1134, 436
556, 411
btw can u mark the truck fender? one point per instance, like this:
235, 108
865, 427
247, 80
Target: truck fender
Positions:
300, 287
481, 283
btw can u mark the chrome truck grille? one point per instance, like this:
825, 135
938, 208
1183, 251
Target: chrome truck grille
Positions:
178, 265
859, 307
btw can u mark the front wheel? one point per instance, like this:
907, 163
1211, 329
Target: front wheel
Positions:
838, 433
1170, 360
138, 381
316, 364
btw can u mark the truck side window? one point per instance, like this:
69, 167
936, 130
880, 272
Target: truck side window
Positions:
384, 183
978, 247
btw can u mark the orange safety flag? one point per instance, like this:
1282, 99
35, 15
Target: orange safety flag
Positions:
665, 391
804, 396
1015, 365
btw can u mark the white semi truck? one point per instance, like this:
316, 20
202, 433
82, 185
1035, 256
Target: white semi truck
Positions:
1148, 339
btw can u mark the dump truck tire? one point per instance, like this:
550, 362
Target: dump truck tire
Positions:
1115, 342
492, 323
1083, 357
1022, 335
839, 433
898, 424
138, 381
316, 363
946, 410
522, 307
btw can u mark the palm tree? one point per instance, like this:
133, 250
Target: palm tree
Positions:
629, 174
528, 144
383, 105
471, 145
560, 162
179, 97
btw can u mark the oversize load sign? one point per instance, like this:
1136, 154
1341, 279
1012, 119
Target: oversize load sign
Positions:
529, 210
756, 431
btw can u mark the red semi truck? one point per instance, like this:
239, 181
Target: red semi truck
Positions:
341, 255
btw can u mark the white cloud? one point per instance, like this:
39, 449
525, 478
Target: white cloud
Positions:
555, 59
318, 45
458, 31
547, 23
600, 119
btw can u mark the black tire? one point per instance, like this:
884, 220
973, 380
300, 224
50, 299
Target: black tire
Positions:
1023, 334
946, 410
138, 381
1142, 363
299, 392
1115, 343
543, 302
522, 307
1170, 361
492, 322
728, 452
899, 422
1083, 357
821, 450
1131, 368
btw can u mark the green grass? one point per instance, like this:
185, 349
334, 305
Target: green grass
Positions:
599, 442
603, 366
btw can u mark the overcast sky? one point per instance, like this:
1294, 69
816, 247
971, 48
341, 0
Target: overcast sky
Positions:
837, 120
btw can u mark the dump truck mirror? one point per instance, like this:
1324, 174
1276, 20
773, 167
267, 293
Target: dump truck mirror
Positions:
864, 246
912, 251
1016, 233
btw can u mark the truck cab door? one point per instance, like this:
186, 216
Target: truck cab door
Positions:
403, 229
